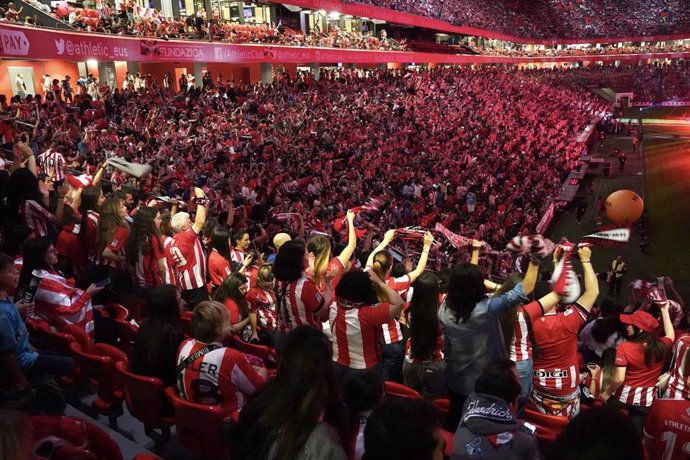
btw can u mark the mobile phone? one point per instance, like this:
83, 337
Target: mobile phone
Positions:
102, 283
32, 288
662, 289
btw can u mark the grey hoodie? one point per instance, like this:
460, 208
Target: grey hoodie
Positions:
489, 431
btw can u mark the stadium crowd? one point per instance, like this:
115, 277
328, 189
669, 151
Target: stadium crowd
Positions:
651, 83
587, 51
133, 20
295, 215
554, 19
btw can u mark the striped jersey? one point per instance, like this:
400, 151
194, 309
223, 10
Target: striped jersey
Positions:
298, 303
190, 260
356, 334
222, 377
218, 268
170, 268
391, 330
639, 387
263, 303
146, 269
678, 382
237, 256
556, 370
58, 302
36, 217
52, 164
520, 347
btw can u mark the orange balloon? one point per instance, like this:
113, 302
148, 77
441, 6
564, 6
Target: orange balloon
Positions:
624, 207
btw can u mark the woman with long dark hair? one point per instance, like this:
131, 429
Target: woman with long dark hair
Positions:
471, 331
144, 249
91, 201
56, 299
423, 369
356, 328
639, 360
294, 415
299, 299
159, 338
232, 294
381, 262
112, 236
26, 203
219, 261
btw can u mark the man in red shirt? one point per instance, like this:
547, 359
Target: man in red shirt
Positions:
556, 373
188, 254
667, 431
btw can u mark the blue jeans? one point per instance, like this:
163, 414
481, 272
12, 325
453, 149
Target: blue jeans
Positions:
525, 371
393, 354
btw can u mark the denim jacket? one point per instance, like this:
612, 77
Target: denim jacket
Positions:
470, 346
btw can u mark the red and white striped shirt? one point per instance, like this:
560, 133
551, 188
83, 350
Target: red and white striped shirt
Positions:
58, 302
556, 371
68, 245
36, 217
391, 330
299, 302
237, 256
520, 348
190, 260
52, 164
678, 387
218, 268
263, 303
170, 267
357, 334
639, 386
117, 245
94, 249
146, 269
222, 377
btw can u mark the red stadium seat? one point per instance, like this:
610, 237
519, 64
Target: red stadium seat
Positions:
135, 305
400, 391
198, 426
98, 365
79, 432
79, 334
54, 340
116, 311
126, 332
185, 323
266, 354
146, 401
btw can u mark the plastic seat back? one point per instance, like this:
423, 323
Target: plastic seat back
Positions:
266, 354
144, 396
400, 391
199, 426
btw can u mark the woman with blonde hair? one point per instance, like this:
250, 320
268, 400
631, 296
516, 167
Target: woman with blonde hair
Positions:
381, 262
321, 263
208, 372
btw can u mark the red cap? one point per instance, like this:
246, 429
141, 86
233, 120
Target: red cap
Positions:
643, 320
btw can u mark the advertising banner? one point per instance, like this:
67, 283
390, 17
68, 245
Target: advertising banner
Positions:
36, 43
